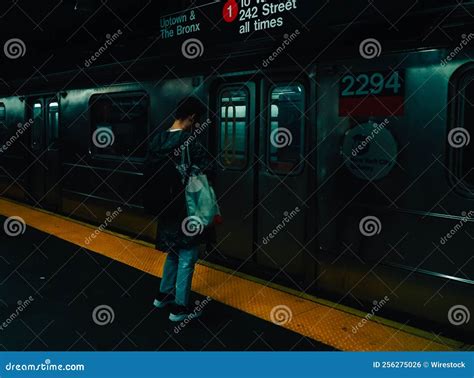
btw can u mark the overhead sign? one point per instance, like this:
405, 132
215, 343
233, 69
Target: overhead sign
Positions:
258, 15
180, 24
223, 22
370, 150
378, 94
244, 16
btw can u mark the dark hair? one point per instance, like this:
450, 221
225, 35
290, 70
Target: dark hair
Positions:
189, 106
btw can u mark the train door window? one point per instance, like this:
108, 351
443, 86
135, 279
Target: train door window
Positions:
37, 117
286, 128
53, 121
119, 124
234, 122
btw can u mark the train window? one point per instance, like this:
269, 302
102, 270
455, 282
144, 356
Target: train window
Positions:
37, 116
3, 126
119, 124
2, 112
460, 135
234, 121
286, 128
53, 121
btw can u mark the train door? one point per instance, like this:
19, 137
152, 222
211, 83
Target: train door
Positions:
235, 178
44, 178
263, 178
284, 194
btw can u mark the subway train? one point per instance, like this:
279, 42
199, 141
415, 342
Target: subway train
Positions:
343, 175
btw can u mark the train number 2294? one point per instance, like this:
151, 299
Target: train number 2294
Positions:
374, 83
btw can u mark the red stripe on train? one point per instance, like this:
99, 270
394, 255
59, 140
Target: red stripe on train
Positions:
371, 106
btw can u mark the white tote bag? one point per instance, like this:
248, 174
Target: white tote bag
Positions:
201, 201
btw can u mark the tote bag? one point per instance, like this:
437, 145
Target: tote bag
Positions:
201, 201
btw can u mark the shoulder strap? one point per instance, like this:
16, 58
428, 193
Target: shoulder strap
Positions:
185, 157
188, 155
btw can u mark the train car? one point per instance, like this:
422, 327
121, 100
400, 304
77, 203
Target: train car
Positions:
342, 174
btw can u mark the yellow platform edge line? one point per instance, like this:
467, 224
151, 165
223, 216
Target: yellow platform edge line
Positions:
336, 306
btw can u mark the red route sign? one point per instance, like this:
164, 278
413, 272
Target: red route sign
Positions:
230, 10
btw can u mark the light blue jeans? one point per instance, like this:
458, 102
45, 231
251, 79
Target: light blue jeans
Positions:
178, 274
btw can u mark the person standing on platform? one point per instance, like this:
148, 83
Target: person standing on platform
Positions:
177, 235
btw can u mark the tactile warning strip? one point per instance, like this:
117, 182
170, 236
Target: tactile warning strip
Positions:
318, 321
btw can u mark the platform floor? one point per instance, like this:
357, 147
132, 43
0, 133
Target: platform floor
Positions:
69, 279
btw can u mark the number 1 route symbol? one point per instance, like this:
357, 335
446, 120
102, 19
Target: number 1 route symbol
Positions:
230, 11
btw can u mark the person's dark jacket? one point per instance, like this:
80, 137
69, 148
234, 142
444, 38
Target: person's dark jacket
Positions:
173, 232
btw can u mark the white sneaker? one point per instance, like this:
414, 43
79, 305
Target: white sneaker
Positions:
163, 300
179, 313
